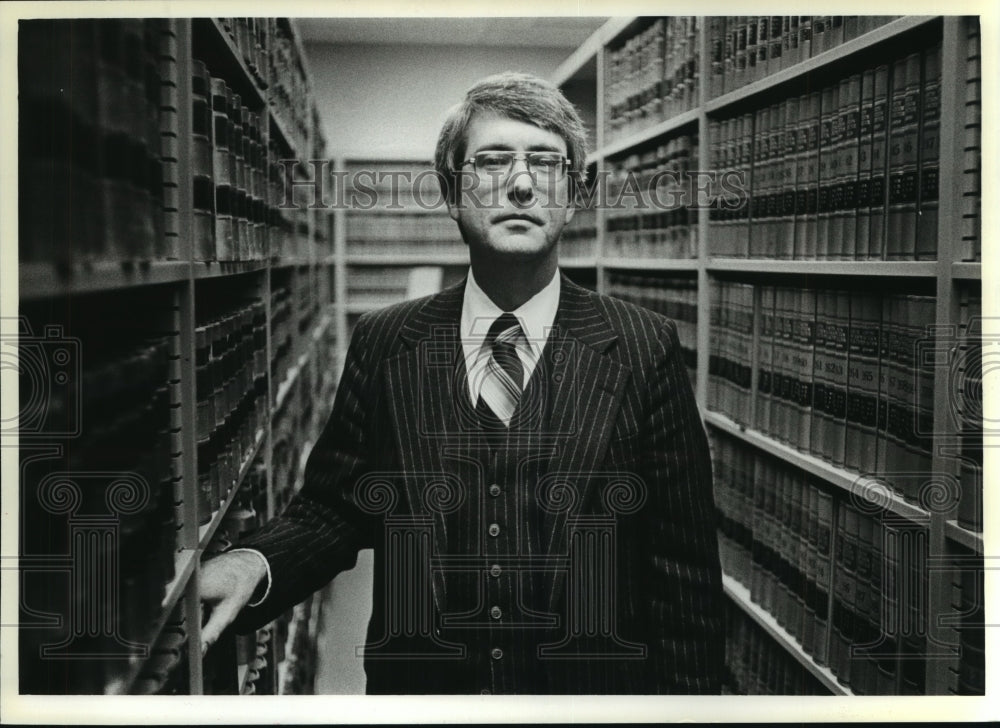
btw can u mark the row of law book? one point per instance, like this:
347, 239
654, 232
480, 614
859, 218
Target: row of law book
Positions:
282, 322
844, 375
757, 665
104, 501
251, 36
652, 200
676, 298
399, 229
398, 185
90, 179
239, 184
744, 49
846, 172
651, 75
288, 90
847, 581
231, 390
579, 237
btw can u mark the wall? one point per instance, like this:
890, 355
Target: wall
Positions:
389, 101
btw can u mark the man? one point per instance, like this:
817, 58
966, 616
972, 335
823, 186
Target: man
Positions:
524, 456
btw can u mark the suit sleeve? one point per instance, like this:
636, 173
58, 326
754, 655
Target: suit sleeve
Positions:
321, 531
686, 599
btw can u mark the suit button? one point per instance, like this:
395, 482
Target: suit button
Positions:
495, 570
496, 612
494, 490
494, 529
496, 653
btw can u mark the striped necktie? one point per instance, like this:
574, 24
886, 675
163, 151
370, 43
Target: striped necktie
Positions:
503, 374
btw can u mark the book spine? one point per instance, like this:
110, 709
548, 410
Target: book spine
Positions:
785, 238
741, 229
827, 167
839, 365
862, 192
862, 396
880, 160
804, 352
822, 386
850, 169
801, 186
811, 179
901, 228
775, 179
765, 360
808, 565
806, 23
930, 146
717, 47
789, 40
776, 31
823, 640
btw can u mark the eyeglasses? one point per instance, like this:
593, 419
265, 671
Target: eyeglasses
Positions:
498, 164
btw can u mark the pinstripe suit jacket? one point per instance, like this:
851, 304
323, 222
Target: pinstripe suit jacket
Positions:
617, 585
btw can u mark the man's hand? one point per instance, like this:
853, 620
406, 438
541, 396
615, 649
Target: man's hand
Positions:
227, 582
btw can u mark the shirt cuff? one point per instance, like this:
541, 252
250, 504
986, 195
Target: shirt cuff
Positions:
267, 568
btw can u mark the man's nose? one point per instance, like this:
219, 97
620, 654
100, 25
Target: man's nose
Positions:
520, 186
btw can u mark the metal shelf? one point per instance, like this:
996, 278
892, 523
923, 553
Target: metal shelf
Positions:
225, 268
741, 596
857, 485
291, 261
41, 280
408, 259
967, 271
972, 540
577, 263
658, 264
818, 62
184, 563
277, 124
879, 268
659, 129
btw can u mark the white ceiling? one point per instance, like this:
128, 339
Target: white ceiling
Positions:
550, 32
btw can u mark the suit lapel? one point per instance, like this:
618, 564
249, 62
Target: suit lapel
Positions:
588, 385
421, 381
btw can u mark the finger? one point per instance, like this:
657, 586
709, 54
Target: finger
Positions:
222, 616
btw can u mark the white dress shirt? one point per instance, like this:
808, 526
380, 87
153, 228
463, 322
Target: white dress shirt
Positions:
536, 316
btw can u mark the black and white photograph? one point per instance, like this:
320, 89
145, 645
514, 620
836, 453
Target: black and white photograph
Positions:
472, 356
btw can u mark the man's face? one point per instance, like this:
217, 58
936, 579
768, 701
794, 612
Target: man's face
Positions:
511, 216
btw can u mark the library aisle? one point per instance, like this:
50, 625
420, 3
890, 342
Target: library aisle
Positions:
185, 316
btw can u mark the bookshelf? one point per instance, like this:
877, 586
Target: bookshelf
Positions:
730, 88
186, 319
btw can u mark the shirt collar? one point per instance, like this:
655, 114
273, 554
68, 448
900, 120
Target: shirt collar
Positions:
536, 315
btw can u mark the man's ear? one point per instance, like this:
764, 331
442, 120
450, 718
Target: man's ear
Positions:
570, 211
453, 207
